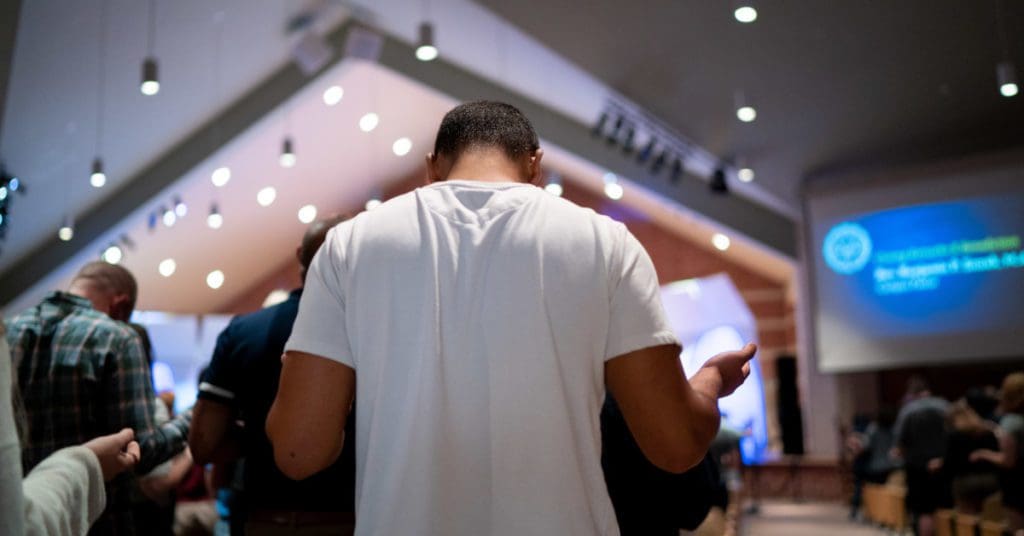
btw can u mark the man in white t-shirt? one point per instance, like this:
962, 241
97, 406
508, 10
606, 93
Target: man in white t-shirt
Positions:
478, 321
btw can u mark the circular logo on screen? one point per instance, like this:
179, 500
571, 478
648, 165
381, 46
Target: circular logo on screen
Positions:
847, 248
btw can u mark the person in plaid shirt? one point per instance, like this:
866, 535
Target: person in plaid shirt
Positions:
82, 374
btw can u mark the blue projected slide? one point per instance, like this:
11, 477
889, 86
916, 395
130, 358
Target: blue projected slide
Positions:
915, 263
942, 268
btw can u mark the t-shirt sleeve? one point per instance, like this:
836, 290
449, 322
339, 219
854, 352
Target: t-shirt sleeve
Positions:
218, 383
320, 327
637, 315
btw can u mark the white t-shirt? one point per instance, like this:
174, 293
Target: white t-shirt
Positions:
478, 318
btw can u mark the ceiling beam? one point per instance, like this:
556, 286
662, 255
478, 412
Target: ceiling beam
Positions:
758, 223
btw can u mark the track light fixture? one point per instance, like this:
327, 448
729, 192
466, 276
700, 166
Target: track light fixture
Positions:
426, 50
659, 162
613, 136
599, 126
645, 154
717, 183
677, 170
628, 145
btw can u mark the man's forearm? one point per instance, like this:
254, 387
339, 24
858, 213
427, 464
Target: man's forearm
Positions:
706, 385
163, 442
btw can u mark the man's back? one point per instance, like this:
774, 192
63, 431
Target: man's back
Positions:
920, 430
478, 318
243, 374
63, 352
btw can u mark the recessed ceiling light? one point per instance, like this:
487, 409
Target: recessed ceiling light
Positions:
746, 113
402, 146
307, 214
745, 14
266, 196
112, 254
612, 188
215, 279
720, 241
66, 231
745, 174
373, 203
554, 188
220, 176
369, 122
167, 267
169, 217
333, 95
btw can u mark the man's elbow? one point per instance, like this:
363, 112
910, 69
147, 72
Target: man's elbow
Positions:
678, 461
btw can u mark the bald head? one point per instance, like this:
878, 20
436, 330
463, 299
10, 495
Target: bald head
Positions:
111, 288
313, 239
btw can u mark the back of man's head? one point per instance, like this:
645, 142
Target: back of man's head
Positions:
484, 125
111, 288
314, 237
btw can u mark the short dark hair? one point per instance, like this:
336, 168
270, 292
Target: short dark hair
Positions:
314, 237
480, 124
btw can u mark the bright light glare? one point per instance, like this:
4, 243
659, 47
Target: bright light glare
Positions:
554, 189
426, 52
167, 267
214, 220
215, 279
112, 255
746, 113
3, 193
220, 176
1008, 90
402, 146
97, 180
170, 218
65, 233
373, 203
720, 241
150, 87
745, 174
333, 95
266, 196
287, 160
613, 190
745, 14
181, 209
307, 214
368, 122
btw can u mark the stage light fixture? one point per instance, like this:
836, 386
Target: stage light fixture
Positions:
307, 213
1006, 74
220, 176
150, 83
215, 219
613, 136
599, 126
718, 184
629, 143
425, 48
745, 174
745, 12
333, 95
659, 162
645, 154
287, 158
98, 178
677, 171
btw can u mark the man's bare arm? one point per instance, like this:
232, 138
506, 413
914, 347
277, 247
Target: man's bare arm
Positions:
306, 424
672, 420
213, 436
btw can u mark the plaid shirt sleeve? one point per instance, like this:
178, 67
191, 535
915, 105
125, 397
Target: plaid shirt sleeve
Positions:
131, 400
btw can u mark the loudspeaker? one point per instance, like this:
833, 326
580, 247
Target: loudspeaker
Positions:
790, 419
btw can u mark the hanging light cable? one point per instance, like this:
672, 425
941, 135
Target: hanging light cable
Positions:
98, 178
1006, 71
150, 81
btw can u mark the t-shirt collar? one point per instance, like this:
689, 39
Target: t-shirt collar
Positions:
61, 297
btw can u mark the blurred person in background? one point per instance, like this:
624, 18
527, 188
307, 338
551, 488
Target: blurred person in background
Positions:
1010, 455
920, 437
82, 373
973, 479
240, 385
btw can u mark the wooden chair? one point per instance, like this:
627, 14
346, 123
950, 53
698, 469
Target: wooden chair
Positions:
873, 503
944, 523
966, 525
993, 528
897, 511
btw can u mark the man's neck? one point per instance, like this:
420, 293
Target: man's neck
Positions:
484, 166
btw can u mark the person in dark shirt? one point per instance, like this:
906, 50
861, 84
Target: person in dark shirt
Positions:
973, 480
920, 436
240, 385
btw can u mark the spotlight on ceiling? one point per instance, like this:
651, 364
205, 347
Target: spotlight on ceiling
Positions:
1006, 74
287, 158
718, 184
150, 83
745, 174
307, 213
720, 241
401, 147
599, 126
612, 188
215, 219
113, 254
220, 176
678, 169
167, 267
745, 12
333, 95
554, 185
266, 196
425, 48
747, 114
98, 178
645, 154
215, 279
369, 122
